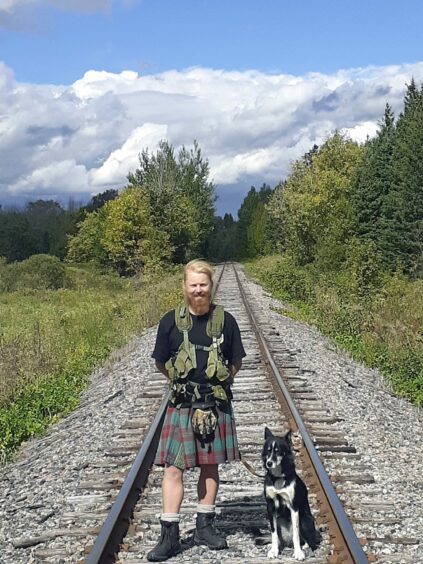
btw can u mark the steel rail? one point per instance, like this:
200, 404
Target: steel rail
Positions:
358, 556
118, 519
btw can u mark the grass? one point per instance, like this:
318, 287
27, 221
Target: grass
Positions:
380, 325
51, 340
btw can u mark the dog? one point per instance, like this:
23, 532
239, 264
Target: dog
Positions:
288, 510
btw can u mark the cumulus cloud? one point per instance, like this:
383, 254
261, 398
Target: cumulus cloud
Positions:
124, 159
86, 137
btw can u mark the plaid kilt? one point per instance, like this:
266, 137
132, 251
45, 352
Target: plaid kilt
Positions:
180, 447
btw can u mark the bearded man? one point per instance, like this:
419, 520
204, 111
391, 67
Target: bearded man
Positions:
200, 362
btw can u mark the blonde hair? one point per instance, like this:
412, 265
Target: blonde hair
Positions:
200, 266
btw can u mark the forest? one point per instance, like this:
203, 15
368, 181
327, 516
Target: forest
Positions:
339, 240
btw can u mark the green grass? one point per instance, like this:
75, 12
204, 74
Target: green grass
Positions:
381, 326
51, 340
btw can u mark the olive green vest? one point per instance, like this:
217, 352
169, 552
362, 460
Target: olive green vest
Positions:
185, 360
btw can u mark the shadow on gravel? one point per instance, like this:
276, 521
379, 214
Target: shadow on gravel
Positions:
245, 515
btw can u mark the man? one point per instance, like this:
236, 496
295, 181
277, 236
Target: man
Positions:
200, 368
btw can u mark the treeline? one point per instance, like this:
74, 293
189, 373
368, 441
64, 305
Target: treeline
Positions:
163, 216
344, 199
340, 200
341, 239
43, 226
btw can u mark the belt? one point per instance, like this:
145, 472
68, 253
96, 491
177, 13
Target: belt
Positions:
193, 396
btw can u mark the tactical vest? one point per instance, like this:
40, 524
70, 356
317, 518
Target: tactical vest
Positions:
185, 360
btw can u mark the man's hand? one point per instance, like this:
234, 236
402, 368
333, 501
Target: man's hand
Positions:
161, 368
235, 367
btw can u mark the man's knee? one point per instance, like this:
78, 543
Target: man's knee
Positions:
210, 469
173, 473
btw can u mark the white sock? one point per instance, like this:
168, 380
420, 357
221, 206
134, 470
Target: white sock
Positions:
206, 508
172, 517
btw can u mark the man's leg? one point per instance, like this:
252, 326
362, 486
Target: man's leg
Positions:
172, 495
172, 489
207, 488
208, 484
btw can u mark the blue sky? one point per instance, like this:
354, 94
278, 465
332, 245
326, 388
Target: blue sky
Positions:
256, 82
150, 36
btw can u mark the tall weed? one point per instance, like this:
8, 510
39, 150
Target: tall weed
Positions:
376, 317
51, 340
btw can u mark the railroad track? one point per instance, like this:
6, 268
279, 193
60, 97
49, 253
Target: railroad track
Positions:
271, 390
55, 498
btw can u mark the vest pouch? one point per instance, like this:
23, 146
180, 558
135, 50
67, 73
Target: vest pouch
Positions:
171, 372
222, 372
204, 422
183, 364
219, 393
211, 368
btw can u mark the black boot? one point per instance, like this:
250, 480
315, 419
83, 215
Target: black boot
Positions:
206, 534
168, 544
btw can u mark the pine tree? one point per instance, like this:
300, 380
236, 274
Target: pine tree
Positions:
245, 215
408, 176
374, 196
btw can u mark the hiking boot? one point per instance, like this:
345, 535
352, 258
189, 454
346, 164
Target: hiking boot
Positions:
168, 544
205, 533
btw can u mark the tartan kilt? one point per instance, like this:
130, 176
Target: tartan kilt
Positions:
180, 447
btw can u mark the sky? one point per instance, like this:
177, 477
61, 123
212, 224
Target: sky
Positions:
86, 85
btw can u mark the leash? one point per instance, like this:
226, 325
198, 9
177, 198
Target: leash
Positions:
251, 469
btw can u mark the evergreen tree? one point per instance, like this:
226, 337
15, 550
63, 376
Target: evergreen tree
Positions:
252, 224
258, 232
408, 175
374, 194
222, 243
245, 216
16, 238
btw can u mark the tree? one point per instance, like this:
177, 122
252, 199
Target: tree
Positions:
374, 195
87, 244
163, 215
130, 239
99, 200
249, 240
408, 176
223, 241
181, 197
16, 239
120, 234
313, 206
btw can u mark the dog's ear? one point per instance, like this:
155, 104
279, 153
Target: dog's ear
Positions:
288, 437
267, 433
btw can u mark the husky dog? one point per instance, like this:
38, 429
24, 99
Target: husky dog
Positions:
291, 521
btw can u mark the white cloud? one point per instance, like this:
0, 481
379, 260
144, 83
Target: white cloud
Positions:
85, 138
361, 131
124, 159
64, 174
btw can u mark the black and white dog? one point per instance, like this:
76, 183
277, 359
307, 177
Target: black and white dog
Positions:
291, 521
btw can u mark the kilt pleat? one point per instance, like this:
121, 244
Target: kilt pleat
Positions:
180, 447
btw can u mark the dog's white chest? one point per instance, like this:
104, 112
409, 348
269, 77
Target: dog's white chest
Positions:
279, 489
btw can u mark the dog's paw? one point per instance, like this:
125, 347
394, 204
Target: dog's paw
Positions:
273, 553
299, 554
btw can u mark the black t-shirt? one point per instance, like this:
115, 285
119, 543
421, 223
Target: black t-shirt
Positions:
169, 339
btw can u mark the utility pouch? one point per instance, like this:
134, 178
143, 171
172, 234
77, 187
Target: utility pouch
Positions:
203, 421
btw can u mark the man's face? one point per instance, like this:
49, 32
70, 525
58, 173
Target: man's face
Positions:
197, 288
